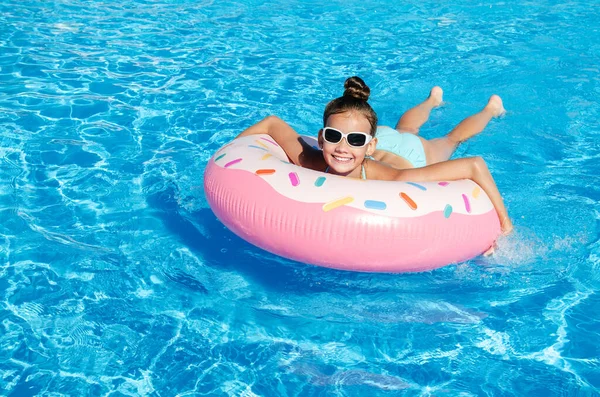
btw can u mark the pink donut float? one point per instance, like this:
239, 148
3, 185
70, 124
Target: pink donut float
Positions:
345, 223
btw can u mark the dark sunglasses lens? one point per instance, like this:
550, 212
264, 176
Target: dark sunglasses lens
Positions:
332, 136
357, 139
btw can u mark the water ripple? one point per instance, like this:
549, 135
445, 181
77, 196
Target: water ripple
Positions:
115, 276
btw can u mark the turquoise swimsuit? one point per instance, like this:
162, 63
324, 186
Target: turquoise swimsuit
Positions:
403, 144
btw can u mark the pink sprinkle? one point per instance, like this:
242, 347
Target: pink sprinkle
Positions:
294, 178
467, 203
270, 141
232, 162
444, 183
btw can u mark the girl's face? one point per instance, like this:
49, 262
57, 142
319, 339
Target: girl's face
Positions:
342, 158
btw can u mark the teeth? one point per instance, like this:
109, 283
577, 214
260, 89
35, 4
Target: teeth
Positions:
343, 159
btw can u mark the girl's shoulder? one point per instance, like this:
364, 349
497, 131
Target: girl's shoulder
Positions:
312, 158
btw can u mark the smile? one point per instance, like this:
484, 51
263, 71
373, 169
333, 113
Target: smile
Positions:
342, 159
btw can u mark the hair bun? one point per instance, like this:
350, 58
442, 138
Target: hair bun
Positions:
356, 88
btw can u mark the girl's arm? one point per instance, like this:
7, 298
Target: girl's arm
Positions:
473, 168
299, 152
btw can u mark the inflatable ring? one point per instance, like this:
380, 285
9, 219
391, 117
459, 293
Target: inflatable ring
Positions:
345, 223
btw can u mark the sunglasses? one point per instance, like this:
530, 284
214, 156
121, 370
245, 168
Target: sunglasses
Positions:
354, 139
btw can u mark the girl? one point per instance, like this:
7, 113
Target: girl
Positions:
348, 144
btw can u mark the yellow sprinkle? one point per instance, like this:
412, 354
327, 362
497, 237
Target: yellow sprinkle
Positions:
266, 156
476, 191
337, 203
261, 144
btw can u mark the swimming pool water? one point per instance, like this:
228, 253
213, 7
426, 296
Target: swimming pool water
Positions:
116, 278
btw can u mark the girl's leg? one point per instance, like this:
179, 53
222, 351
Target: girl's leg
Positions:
412, 120
441, 149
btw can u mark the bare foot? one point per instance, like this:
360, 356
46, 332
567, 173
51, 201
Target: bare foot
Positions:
436, 96
496, 106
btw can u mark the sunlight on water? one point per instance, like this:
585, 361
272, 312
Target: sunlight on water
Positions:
117, 279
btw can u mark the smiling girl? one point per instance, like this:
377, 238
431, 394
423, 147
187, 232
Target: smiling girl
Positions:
350, 139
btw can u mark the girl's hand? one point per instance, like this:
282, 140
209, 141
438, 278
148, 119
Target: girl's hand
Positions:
490, 250
506, 226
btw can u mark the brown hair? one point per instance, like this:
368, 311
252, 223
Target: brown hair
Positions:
356, 95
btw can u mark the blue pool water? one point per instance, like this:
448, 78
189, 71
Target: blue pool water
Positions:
116, 279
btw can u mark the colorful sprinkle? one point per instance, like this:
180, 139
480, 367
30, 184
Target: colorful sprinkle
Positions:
337, 203
375, 205
261, 144
232, 162
294, 178
265, 171
270, 141
417, 185
285, 162
220, 157
320, 181
444, 184
467, 203
408, 200
476, 191
266, 156
257, 147
447, 211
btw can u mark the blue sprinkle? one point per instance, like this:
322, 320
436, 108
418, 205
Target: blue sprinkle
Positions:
320, 181
285, 162
257, 147
375, 205
447, 211
417, 185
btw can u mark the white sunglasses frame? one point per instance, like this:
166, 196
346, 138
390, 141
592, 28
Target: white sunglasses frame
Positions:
368, 139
